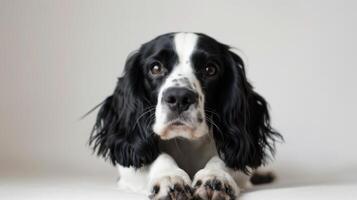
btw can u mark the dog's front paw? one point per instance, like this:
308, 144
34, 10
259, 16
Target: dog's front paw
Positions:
214, 185
173, 187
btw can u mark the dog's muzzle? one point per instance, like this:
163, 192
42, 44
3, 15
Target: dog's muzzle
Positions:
178, 114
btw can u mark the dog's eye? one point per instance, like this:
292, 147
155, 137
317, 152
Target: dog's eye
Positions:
156, 68
210, 69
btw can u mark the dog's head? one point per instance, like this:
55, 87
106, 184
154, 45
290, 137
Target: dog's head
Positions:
184, 85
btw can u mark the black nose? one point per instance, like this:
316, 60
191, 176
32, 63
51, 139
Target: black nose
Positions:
179, 99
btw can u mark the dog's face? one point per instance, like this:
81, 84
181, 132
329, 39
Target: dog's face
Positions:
183, 85
181, 72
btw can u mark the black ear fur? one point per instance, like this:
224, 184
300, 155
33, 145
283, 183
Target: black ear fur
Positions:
121, 132
244, 135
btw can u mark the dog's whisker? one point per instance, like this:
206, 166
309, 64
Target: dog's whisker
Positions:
148, 108
150, 118
212, 112
142, 115
210, 121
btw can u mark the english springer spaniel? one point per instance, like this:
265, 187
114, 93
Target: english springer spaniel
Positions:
184, 122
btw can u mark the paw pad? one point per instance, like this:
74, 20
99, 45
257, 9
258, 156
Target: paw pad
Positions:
213, 189
176, 192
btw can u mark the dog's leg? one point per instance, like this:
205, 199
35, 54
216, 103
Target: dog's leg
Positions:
163, 179
214, 182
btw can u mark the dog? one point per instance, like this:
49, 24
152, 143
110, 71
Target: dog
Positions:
184, 122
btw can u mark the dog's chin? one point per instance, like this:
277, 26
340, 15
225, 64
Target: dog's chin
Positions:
179, 129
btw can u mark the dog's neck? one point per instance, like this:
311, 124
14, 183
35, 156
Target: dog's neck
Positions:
190, 155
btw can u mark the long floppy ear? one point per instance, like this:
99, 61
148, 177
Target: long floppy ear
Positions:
122, 131
244, 135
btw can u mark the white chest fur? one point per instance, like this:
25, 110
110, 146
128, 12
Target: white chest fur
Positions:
190, 155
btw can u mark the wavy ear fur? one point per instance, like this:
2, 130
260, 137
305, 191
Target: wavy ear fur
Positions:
245, 136
121, 132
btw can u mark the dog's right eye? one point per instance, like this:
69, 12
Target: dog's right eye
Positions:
156, 69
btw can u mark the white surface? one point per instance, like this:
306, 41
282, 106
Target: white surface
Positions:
86, 187
60, 58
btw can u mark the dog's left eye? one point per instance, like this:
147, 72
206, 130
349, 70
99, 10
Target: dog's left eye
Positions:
210, 69
156, 68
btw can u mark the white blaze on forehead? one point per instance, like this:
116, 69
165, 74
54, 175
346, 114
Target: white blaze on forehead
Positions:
185, 44
183, 73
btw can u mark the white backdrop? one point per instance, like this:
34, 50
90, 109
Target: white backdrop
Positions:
58, 59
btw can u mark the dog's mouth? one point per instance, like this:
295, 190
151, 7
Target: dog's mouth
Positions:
178, 124
177, 128
184, 125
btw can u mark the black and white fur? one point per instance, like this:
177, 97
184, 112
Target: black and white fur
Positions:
183, 121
